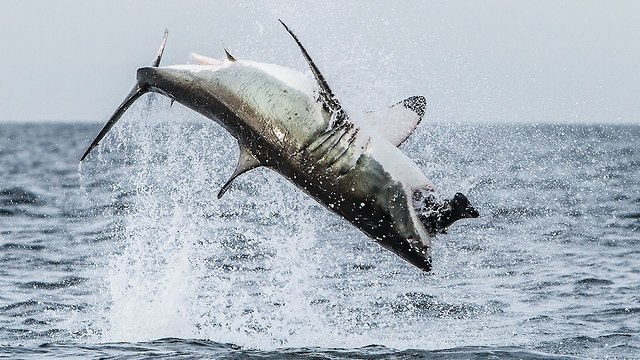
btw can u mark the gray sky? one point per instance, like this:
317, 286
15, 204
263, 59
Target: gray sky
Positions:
475, 61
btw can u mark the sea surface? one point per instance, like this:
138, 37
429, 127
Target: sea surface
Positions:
132, 256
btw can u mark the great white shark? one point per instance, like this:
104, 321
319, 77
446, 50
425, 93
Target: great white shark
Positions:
285, 121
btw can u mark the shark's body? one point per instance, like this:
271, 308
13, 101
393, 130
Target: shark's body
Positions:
285, 121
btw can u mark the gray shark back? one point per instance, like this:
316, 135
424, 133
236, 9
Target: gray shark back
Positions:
244, 99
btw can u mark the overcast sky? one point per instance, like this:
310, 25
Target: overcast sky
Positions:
475, 61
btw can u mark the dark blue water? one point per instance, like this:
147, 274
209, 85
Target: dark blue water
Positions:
131, 256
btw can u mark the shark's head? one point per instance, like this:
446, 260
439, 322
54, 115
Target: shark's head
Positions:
437, 215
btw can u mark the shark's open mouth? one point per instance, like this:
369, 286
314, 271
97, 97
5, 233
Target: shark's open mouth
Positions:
437, 215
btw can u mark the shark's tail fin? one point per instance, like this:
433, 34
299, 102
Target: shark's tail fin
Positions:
137, 91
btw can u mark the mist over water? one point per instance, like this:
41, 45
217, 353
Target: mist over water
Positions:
133, 254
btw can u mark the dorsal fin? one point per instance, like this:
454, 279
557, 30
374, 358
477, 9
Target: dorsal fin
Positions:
329, 101
397, 122
246, 162
229, 56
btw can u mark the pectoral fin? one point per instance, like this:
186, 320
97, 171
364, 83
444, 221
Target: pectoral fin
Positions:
246, 162
397, 122
328, 99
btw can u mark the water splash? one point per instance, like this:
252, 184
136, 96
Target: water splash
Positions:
559, 223
187, 265
263, 267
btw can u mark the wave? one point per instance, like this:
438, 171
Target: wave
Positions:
27, 306
171, 348
18, 246
66, 282
19, 196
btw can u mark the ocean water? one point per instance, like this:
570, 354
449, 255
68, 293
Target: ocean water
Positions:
131, 255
